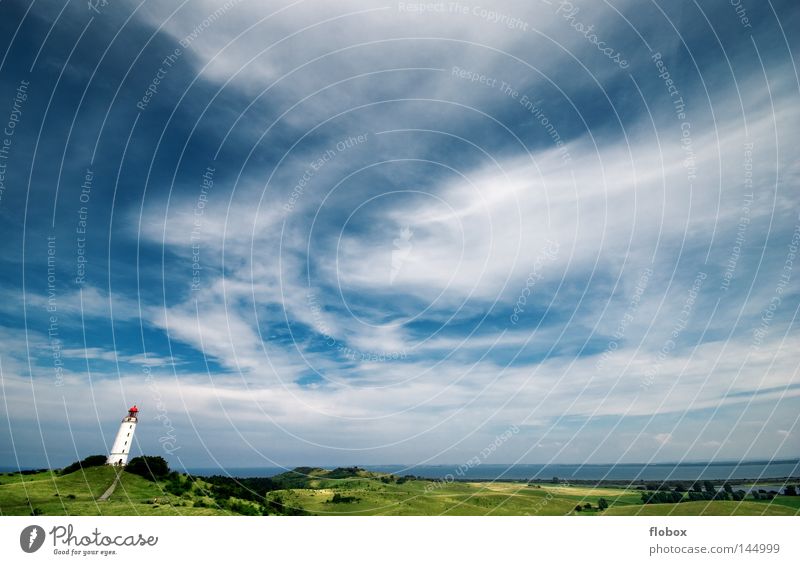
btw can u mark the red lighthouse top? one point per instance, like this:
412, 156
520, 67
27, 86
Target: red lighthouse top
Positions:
132, 411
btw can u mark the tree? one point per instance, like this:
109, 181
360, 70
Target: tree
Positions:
727, 488
342, 499
680, 487
790, 490
709, 486
668, 496
602, 504
578, 508
276, 504
151, 467
696, 487
91, 461
177, 486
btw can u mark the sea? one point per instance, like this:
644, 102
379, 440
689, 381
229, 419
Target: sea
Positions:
586, 472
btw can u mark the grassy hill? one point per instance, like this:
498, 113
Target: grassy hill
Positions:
77, 494
353, 491
342, 491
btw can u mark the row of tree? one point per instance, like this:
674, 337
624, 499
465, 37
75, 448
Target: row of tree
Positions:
727, 493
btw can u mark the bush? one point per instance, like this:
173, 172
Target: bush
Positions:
244, 508
602, 504
151, 467
177, 486
667, 496
696, 495
91, 461
252, 489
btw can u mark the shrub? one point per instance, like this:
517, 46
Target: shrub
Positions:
177, 486
91, 461
339, 499
244, 508
666, 496
151, 467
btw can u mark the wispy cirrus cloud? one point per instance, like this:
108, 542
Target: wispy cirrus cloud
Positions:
383, 184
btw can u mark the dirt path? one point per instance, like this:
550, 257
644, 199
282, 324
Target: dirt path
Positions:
109, 490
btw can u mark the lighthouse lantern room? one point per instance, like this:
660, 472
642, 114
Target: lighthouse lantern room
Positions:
122, 444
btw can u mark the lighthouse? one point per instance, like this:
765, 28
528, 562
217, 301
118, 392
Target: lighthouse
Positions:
122, 445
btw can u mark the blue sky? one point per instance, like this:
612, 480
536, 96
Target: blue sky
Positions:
362, 233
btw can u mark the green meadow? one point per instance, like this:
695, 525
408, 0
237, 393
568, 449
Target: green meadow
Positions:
340, 492
77, 494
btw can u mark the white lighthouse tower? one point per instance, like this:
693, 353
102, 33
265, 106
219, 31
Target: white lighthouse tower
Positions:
122, 445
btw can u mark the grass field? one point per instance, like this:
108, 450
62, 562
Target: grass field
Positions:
508, 499
708, 508
76, 494
349, 491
